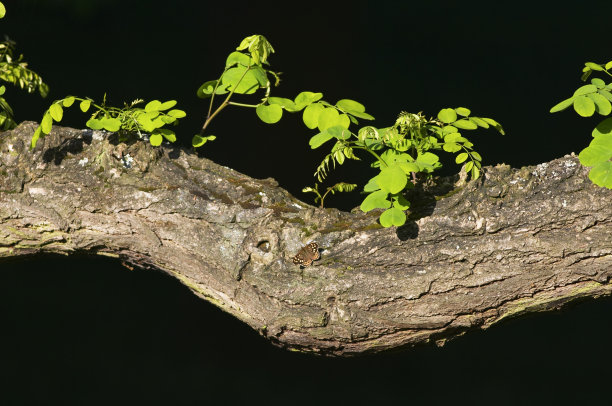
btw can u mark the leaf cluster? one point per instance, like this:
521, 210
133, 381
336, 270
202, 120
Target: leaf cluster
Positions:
129, 121
15, 71
402, 152
587, 100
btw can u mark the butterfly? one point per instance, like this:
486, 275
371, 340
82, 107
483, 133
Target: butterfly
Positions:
307, 254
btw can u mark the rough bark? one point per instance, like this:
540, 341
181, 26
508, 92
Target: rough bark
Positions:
473, 253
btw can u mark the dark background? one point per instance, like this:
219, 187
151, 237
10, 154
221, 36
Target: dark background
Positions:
87, 331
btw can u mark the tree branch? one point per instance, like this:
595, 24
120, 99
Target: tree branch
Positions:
513, 242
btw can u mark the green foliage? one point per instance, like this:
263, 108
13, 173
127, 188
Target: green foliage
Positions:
403, 152
15, 71
338, 187
128, 122
244, 73
587, 100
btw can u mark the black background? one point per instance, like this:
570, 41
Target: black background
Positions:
87, 331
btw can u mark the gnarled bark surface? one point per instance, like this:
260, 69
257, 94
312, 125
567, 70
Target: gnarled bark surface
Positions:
513, 242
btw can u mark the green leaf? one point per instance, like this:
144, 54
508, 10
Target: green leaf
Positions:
392, 179
602, 105
447, 116
329, 117
287, 104
563, 105
584, 106
46, 123
156, 139
465, 124
609, 65
409, 167
594, 66
339, 132
600, 84
269, 114
240, 80
207, 89
451, 147
306, 98
400, 202
494, 124
198, 141
2, 90
605, 94
84, 105
586, 89
94, 124
599, 150
462, 111
166, 105
475, 172
601, 174
479, 121
461, 157
321, 138
603, 128
375, 200
2, 10
167, 134
111, 124
153, 105
35, 137
238, 58
364, 116
393, 217
350, 105
311, 115
475, 155
67, 102
371, 186
177, 113
56, 111
428, 161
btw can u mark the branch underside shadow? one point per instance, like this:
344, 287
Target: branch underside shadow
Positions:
513, 242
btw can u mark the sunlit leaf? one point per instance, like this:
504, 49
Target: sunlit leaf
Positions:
602, 105
375, 200
350, 105
56, 111
67, 102
447, 116
462, 111
156, 139
311, 115
392, 179
269, 114
84, 105
563, 105
46, 123
153, 105
393, 217
584, 106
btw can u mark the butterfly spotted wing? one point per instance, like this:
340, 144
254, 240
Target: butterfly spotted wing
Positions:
307, 254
